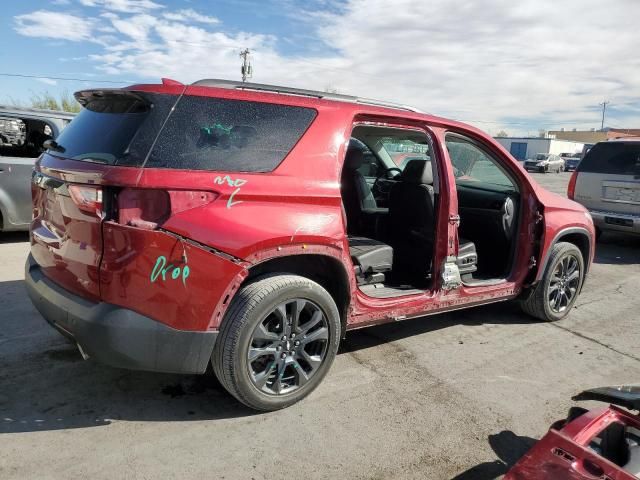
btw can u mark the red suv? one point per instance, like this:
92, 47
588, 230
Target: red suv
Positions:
252, 226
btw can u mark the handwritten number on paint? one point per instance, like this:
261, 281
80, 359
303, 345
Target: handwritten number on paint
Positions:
161, 268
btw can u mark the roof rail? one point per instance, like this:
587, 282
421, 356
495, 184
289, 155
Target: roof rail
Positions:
233, 85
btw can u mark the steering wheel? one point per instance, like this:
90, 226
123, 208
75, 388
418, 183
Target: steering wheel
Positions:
387, 176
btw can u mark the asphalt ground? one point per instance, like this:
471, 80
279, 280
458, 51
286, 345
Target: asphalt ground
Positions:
460, 395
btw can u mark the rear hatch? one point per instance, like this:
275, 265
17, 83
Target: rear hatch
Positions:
608, 178
68, 186
138, 171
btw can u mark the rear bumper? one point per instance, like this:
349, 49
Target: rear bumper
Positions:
117, 336
619, 222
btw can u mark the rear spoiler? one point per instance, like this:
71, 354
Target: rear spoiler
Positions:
627, 396
83, 96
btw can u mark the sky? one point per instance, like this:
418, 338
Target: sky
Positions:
517, 66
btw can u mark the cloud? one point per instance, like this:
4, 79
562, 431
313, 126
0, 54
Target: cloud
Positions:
498, 64
190, 15
123, 6
48, 24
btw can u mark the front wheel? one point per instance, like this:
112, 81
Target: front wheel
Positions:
556, 293
277, 341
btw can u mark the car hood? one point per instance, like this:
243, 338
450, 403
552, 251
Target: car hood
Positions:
627, 396
555, 201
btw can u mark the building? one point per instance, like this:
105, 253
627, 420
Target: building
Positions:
593, 136
526, 147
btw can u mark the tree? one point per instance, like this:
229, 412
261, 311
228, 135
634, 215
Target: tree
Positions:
502, 133
47, 101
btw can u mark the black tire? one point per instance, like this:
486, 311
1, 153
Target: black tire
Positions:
537, 302
251, 307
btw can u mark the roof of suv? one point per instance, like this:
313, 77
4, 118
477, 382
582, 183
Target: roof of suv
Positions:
260, 87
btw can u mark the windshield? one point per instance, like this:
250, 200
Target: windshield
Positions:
542, 156
402, 151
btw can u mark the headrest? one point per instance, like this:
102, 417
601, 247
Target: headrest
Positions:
418, 171
354, 157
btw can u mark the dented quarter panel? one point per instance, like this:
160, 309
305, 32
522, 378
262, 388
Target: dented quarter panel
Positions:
191, 303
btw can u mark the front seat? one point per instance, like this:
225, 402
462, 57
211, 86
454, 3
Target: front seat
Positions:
359, 202
412, 223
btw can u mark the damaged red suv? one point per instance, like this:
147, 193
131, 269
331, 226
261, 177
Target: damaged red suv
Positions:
250, 226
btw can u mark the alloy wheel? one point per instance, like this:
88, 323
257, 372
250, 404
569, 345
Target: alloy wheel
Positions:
564, 283
288, 347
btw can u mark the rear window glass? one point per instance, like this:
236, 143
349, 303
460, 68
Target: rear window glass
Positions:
114, 128
229, 135
616, 158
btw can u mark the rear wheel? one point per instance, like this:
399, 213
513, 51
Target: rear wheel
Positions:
277, 342
556, 293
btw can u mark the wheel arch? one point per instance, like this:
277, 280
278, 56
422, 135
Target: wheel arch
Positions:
326, 270
578, 236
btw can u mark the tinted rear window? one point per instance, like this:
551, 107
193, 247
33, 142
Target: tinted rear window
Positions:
616, 158
229, 135
117, 128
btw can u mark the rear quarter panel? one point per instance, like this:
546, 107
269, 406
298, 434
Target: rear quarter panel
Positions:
166, 278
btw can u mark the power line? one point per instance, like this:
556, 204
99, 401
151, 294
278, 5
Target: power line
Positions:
66, 79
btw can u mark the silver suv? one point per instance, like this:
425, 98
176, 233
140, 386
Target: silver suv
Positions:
607, 182
22, 133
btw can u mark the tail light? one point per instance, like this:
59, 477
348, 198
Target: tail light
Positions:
148, 209
87, 198
571, 188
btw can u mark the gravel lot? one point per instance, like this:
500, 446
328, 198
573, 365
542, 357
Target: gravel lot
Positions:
458, 395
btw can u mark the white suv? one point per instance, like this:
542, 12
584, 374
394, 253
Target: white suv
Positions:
607, 182
544, 162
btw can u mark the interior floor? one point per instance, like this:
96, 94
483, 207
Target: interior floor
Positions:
382, 290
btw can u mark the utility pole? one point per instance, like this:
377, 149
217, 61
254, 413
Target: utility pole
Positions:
246, 70
604, 109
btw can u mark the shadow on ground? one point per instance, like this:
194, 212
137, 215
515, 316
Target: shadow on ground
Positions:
45, 385
508, 447
14, 237
618, 249
498, 313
